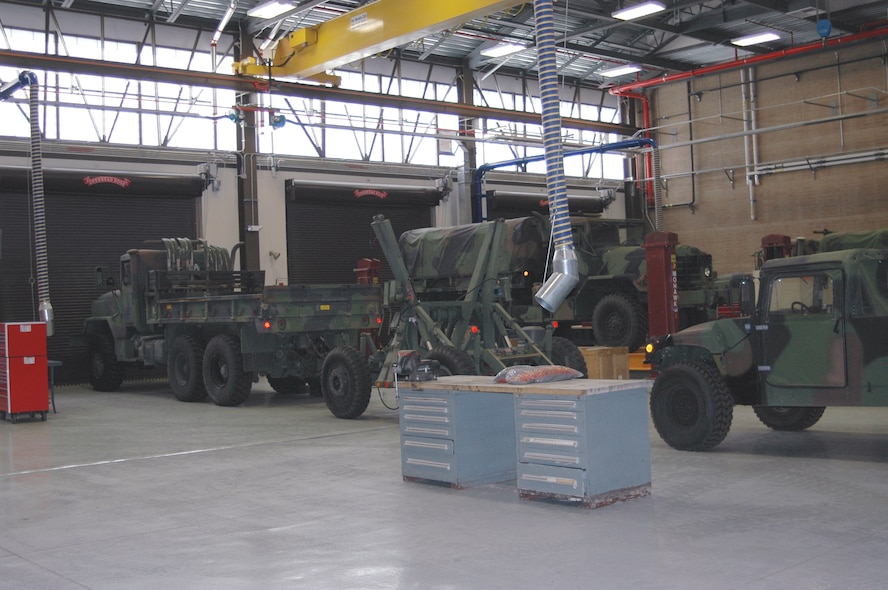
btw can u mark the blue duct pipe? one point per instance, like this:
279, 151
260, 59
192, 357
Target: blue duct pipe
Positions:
481, 172
24, 79
565, 274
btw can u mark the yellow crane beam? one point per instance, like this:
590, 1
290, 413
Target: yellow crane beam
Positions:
309, 53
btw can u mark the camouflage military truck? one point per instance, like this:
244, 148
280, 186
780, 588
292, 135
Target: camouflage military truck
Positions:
217, 330
816, 338
609, 305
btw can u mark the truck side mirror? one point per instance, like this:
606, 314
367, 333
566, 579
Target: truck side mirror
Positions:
103, 282
747, 296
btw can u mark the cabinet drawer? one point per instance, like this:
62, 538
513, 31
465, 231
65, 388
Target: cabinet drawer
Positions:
561, 451
428, 458
548, 479
426, 415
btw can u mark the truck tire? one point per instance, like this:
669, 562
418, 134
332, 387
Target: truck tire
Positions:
345, 382
619, 321
184, 369
691, 406
223, 372
566, 353
105, 372
288, 384
453, 361
788, 418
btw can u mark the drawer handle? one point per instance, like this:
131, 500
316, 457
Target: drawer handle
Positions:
549, 414
557, 442
426, 409
418, 430
550, 403
426, 445
426, 463
552, 458
424, 418
425, 400
560, 428
561, 481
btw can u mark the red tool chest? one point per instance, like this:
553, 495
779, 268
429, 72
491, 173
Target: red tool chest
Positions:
24, 381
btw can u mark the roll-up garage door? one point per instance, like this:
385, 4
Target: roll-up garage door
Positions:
328, 228
91, 220
506, 205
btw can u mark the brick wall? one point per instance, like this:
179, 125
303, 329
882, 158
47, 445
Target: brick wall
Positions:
791, 94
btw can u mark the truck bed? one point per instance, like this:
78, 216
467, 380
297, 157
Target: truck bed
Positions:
239, 297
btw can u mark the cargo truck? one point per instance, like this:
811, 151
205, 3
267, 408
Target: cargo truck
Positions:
217, 330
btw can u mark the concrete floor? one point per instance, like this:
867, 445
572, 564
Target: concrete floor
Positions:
135, 490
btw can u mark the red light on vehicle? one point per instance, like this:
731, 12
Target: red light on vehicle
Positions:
378, 321
475, 329
555, 325
266, 324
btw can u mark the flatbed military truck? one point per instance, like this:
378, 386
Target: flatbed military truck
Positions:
815, 338
217, 330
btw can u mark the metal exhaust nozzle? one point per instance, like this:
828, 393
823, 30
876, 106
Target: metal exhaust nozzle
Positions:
565, 277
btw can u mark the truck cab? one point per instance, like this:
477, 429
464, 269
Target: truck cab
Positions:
816, 338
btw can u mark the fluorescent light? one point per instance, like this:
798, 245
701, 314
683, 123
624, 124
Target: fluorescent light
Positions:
639, 10
620, 71
270, 9
755, 39
502, 49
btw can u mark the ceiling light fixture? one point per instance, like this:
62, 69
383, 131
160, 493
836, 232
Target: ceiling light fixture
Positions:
755, 39
502, 50
639, 10
270, 9
620, 71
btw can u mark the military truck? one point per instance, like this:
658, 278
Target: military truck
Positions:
217, 330
609, 306
816, 338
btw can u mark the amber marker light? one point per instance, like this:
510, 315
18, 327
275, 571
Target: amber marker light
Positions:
266, 324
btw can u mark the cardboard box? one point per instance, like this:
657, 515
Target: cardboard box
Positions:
604, 362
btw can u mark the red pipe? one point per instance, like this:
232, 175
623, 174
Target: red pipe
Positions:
739, 63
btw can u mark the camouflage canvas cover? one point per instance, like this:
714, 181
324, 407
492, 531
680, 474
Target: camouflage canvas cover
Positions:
452, 252
849, 240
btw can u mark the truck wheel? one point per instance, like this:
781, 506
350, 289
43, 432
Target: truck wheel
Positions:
346, 382
566, 353
691, 406
286, 384
453, 361
619, 321
788, 418
184, 371
105, 372
223, 372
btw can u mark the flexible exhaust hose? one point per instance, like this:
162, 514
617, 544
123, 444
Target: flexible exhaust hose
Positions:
45, 309
565, 275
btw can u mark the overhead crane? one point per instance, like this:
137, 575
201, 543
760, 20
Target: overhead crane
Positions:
309, 53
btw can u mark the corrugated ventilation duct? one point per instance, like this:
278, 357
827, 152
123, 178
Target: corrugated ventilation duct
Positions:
565, 274
45, 307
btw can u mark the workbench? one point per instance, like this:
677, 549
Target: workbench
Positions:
581, 440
